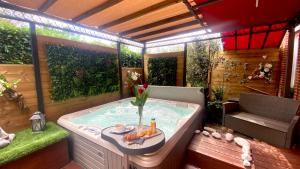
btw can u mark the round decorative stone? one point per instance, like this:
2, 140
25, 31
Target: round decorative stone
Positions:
206, 133
228, 137
216, 135
246, 163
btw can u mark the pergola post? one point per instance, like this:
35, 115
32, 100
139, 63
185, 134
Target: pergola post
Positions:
120, 68
289, 63
143, 56
184, 63
36, 66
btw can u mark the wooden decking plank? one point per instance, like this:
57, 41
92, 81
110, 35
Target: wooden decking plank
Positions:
206, 161
217, 156
208, 149
223, 147
228, 154
221, 143
72, 165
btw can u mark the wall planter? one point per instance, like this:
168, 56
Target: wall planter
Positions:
76, 72
162, 71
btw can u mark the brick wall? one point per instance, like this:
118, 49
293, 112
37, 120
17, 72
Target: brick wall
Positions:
297, 76
283, 54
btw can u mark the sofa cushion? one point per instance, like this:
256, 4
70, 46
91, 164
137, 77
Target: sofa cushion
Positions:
256, 130
263, 121
273, 107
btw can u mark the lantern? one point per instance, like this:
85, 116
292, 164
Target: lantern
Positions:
38, 122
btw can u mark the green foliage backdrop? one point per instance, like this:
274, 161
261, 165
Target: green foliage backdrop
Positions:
162, 71
130, 58
200, 55
76, 72
15, 43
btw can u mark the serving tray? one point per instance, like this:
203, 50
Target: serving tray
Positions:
149, 145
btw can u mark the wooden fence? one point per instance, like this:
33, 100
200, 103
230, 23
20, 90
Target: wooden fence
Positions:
12, 119
232, 77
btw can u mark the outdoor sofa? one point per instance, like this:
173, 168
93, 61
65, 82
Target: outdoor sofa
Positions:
268, 118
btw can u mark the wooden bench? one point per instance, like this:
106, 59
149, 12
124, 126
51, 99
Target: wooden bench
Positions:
46, 150
209, 153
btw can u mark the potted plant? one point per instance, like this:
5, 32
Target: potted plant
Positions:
134, 79
7, 89
215, 106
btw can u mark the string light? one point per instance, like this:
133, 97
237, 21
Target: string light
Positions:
58, 24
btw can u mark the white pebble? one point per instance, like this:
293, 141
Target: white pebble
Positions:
197, 131
246, 156
246, 149
11, 137
246, 163
3, 143
206, 133
209, 129
216, 135
228, 137
241, 141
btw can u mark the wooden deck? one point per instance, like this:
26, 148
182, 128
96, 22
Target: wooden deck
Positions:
209, 153
72, 165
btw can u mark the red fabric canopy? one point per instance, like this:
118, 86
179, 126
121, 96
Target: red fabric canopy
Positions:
245, 26
229, 15
257, 37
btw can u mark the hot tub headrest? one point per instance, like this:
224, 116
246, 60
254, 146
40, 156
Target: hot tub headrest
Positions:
185, 94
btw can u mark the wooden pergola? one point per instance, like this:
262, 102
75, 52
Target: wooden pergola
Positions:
247, 24
143, 21
140, 21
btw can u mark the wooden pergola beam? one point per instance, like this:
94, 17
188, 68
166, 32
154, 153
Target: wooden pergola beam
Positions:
207, 3
158, 23
10, 6
96, 9
140, 13
190, 8
46, 5
191, 23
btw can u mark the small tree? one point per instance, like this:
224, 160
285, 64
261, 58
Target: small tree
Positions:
199, 62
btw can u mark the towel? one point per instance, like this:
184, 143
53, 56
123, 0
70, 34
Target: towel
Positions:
5, 139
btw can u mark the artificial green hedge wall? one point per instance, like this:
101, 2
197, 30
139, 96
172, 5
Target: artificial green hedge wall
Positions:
162, 71
76, 72
130, 58
15, 43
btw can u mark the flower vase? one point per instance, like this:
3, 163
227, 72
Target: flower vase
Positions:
140, 113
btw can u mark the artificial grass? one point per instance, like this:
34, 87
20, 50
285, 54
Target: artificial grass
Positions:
27, 142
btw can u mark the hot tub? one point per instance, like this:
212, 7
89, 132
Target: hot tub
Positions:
177, 119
